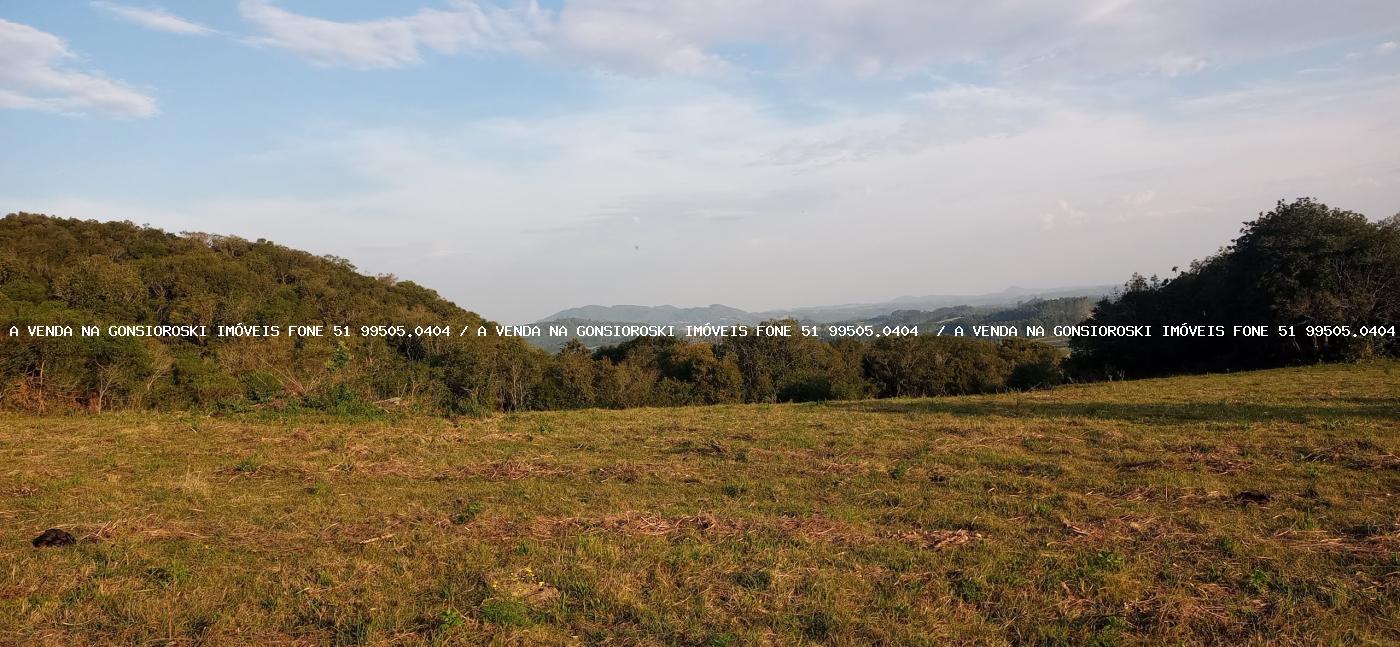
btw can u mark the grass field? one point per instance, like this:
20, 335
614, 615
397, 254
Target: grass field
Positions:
1256, 507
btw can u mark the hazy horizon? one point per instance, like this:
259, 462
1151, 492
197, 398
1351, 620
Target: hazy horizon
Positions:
522, 158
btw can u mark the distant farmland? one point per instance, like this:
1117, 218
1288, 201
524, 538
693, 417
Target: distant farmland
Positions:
1253, 507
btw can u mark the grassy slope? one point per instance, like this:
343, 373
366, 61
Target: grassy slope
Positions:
1104, 512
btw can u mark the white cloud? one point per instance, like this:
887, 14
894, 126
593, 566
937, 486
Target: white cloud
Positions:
608, 41
1379, 50
1077, 38
391, 42
154, 18
1064, 213
966, 95
628, 43
1141, 198
1174, 66
36, 74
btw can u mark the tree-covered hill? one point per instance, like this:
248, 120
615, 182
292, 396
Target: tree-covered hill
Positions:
71, 272
1320, 283
145, 275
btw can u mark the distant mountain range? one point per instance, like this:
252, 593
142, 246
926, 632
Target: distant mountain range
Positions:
724, 315
1013, 306
663, 315
1008, 297
1046, 313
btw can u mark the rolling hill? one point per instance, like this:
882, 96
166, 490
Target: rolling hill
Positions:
70, 273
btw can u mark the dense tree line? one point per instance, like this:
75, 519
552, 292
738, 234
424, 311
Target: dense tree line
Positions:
71, 272
664, 371
1302, 264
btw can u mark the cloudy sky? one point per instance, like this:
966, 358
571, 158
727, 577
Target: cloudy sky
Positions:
523, 157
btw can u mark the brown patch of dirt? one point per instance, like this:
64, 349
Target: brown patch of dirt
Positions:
938, 539
1321, 540
503, 471
1149, 464
1356, 454
1223, 459
621, 472
1247, 497
1120, 529
525, 586
54, 538
809, 528
264, 471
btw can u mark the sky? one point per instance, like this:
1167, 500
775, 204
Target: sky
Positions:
522, 157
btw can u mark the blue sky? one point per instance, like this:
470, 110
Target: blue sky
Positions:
524, 157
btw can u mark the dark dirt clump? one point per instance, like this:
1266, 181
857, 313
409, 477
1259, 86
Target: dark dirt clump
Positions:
1250, 496
53, 538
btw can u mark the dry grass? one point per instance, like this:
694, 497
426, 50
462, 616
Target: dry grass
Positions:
1256, 508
